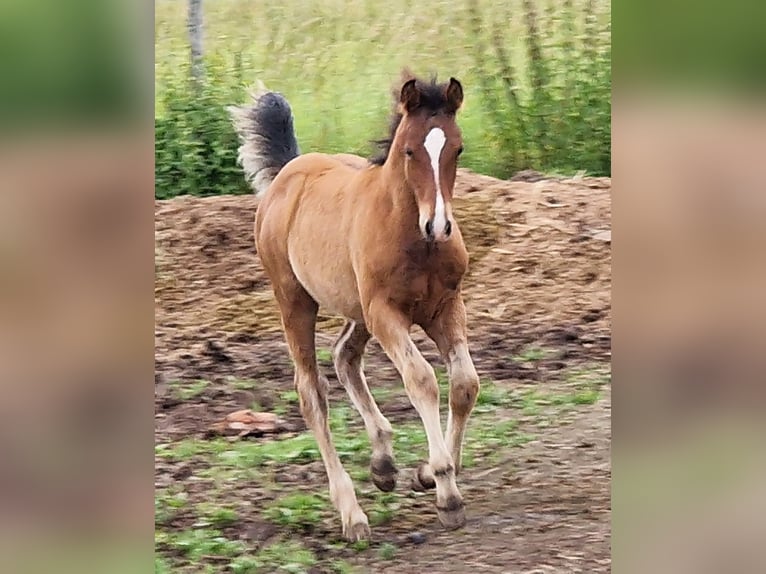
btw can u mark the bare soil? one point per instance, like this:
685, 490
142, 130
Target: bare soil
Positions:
540, 277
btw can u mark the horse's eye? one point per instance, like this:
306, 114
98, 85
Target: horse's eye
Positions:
408, 151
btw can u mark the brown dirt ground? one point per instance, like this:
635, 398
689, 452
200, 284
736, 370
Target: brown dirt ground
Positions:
540, 276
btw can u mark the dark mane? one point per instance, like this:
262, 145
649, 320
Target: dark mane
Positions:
432, 98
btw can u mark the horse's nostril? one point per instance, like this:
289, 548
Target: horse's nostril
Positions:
430, 228
448, 228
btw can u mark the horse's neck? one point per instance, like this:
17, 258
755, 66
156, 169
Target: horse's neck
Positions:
393, 188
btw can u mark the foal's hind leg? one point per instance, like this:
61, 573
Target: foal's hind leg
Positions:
299, 313
348, 353
448, 331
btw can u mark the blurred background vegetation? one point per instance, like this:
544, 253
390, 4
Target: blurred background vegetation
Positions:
537, 77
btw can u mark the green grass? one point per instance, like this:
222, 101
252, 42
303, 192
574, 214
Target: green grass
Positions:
387, 551
531, 355
213, 515
324, 357
298, 511
168, 503
384, 504
287, 399
537, 93
381, 394
289, 557
188, 390
342, 567
199, 543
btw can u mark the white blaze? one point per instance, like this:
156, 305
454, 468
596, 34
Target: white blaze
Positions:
434, 143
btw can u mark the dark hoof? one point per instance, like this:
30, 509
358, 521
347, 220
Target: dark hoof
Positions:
423, 480
452, 514
384, 473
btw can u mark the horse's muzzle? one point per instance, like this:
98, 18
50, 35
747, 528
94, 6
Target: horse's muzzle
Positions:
444, 236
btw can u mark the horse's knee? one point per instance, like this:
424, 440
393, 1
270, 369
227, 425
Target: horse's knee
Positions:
312, 396
422, 383
464, 389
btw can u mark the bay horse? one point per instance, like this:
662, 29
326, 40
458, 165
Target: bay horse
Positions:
376, 242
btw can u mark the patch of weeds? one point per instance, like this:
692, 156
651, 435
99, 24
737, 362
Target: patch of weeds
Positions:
300, 511
215, 516
487, 439
339, 419
203, 542
597, 375
410, 444
342, 567
167, 504
324, 357
387, 551
286, 400
531, 355
361, 545
578, 397
491, 395
256, 407
243, 384
382, 511
382, 394
529, 401
354, 449
586, 396
352, 443
246, 454
161, 566
584, 388
245, 565
443, 379
190, 448
186, 390
359, 474
491, 435
290, 557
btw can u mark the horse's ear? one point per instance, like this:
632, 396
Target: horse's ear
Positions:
454, 95
406, 74
410, 95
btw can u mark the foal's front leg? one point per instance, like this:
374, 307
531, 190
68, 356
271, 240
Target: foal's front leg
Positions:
391, 328
448, 331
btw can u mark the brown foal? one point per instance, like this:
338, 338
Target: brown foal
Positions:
377, 243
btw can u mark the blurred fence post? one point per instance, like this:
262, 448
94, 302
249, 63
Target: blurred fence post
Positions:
195, 39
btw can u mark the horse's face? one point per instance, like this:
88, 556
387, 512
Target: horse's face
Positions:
429, 141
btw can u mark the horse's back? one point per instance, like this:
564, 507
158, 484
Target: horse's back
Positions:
315, 164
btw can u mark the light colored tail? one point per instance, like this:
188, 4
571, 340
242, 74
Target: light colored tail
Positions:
267, 135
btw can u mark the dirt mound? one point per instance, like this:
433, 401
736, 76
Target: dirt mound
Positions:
540, 273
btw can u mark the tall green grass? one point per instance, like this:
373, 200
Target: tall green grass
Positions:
537, 77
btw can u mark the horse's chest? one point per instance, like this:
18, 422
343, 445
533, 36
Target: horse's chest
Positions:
427, 282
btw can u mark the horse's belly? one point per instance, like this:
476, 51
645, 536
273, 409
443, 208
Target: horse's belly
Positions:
330, 283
